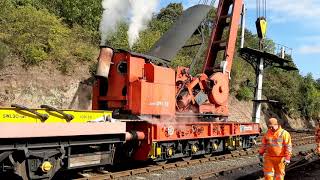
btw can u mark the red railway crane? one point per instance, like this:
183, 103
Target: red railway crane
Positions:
178, 114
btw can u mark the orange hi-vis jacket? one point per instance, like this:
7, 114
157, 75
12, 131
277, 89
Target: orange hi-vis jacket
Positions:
277, 144
317, 134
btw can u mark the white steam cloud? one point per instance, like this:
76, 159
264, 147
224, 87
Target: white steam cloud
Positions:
140, 12
114, 11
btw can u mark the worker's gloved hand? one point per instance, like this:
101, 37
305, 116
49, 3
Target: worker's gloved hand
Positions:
286, 162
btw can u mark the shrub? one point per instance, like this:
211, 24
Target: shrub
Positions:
37, 35
64, 66
84, 52
244, 93
93, 68
4, 51
33, 54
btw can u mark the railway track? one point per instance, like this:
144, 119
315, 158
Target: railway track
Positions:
233, 172
231, 159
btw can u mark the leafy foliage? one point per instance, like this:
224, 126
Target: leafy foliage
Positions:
310, 104
83, 12
37, 35
4, 51
170, 13
284, 87
244, 93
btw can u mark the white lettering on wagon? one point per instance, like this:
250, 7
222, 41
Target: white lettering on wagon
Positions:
159, 103
245, 128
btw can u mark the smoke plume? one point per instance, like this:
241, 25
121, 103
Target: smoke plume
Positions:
141, 14
115, 11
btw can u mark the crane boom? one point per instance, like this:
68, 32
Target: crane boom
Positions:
227, 21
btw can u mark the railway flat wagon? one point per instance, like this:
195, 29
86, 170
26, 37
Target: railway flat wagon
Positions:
36, 143
166, 141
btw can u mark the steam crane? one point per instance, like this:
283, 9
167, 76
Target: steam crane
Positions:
170, 112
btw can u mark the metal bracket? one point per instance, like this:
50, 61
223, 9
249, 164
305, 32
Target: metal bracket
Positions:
43, 117
68, 117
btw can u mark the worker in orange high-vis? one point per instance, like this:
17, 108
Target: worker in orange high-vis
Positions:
277, 150
317, 135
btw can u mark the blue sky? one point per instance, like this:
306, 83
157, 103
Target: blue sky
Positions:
293, 23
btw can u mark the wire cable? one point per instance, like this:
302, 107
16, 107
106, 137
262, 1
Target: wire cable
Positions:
261, 10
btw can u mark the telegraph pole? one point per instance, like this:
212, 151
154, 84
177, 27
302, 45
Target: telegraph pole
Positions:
261, 25
243, 24
260, 60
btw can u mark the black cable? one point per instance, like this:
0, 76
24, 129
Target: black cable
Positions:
264, 8
261, 8
258, 8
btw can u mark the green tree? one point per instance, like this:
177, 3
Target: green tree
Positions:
170, 13
283, 86
37, 35
86, 13
83, 12
310, 101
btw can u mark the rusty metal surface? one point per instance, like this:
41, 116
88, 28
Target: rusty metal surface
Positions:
104, 61
175, 38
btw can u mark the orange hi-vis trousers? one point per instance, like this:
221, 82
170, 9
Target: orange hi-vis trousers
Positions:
274, 168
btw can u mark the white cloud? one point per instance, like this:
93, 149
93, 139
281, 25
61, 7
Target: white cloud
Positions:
291, 9
277, 19
310, 49
311, 38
